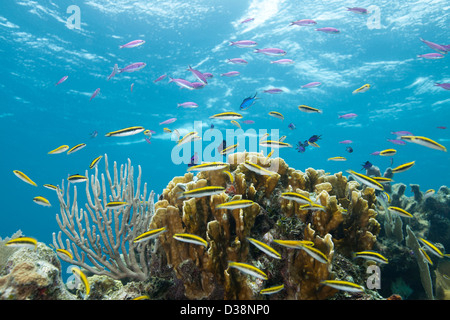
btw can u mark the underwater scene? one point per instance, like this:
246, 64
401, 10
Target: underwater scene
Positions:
225, 150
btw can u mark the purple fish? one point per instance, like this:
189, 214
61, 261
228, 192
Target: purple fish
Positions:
311, 85
435, 46
168, 121
291, 126
244, 44
446, 47
115, 70
348, 116
273, 90
248, 121
132, 86
182, 83
194, 160
402, 133
198, 75
441, 127
445, 86
431, 56
283, 61
160, 78
230, 74
189, 104
271, 51
358, 10
304, 23
133, 67
346, 141
376, 153
61, 80
397, 141
208, 75
148, 140
132, 44
95, 93
248, 20
328, 30
198, 85
237, 61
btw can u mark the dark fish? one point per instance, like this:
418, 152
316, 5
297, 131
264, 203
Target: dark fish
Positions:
301, 146
194, 160
366, 165
94, 134
314, 138
291, 126
349, 149
222, 146
248, 102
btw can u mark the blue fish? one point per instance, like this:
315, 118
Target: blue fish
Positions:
301, 146
248, 102
314, 138
367, 165
194, 160
291, 126
349, 149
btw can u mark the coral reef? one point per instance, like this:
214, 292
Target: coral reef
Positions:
348, 223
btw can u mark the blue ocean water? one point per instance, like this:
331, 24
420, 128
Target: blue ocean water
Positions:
40, 43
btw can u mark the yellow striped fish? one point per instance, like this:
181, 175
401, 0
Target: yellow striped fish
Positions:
313, 207
315, 253
297, 197
337, 159
426, 256
388, 152
202, 192
64, 253
308, 109
75, 178
424, 141
151, 234
362, 89
51, 187
116, 204
42, 201
209, 166
236, 204
230, 175
403, 167
190, 238
20, 242
431, 247
95, 162
270, 154
274, 144
265, 248
294, 244
22, 176
272, 290
248, 269
343, 285
400, 212
125, 132
227, 116
229, 149
82, 277
382, 179
76, 148
363, 179
276, 115
188, 138
371, 255
257, 169
60, 149
236, 123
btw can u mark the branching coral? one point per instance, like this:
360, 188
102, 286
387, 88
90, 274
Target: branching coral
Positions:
105, 235
348, 222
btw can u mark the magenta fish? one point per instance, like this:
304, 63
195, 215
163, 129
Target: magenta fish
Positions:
95, 93
132, 44
445, 86
189, 105
283, 61
230, 74
208, 75
115, 70
358, 10
304, 23
431, 56
273, 90
348, 116
237, 61
346, 141
168, 121
441, 127
271, 51
248, 121
376, 153
198, 75
311, 85
328, 30
132, 86
160, 78
148, 140
435, 46
397, 141
133, 67
182, 83
61, 80
402, 133
247, 20
198, 85
244, 44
